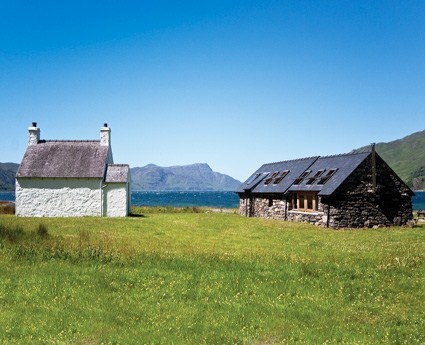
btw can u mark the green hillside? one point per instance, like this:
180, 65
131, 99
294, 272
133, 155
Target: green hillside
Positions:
406, 157
7, 176
197, 176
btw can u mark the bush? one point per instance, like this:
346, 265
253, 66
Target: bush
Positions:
11, 234
7, 208
42, 231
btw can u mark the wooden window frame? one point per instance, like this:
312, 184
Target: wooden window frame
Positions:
305, 201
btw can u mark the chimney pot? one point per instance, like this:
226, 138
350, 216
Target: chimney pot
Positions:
105, 125
34, 124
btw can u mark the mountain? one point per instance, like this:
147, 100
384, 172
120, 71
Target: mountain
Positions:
182, 178
406, 157
7, 176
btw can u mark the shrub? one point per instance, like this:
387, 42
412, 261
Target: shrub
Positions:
42, 231
11, 234
7, 208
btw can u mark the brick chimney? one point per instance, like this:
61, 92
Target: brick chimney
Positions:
33, 134
105, 135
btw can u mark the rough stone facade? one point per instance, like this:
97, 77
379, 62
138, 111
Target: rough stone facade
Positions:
356, 203
270, 208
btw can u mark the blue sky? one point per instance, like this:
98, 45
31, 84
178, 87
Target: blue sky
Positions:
234, 84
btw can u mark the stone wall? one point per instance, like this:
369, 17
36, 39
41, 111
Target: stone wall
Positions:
316, 218
278, 208
356, 203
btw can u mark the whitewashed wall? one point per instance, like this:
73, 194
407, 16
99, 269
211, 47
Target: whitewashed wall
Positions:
116, 200
58, 197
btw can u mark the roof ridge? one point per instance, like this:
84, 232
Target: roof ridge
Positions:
293, 160
69, 141
345, 154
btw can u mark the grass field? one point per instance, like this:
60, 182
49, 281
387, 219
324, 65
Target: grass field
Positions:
191, 277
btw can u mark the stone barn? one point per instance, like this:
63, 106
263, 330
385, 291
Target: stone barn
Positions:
341, 191
71, 178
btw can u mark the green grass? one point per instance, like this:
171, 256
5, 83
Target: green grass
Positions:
176, 276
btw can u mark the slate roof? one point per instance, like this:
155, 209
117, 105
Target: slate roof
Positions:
117, 173
323, 174
333, 171
64, 159
294, 167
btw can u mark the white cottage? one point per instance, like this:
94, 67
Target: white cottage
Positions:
71, 178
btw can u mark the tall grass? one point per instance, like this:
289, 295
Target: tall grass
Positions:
207, 278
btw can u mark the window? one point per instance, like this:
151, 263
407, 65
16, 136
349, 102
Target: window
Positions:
311, 180
305, 201
314, 178
319, 173
271, 178
309, 198
253, 178
270, 202
326, 178
302, 177
281, 176
301, 201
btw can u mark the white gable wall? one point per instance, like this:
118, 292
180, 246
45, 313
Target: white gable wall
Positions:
116, 199
56, 197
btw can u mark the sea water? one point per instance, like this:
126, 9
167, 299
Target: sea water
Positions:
186, 199
174, 199
206, 199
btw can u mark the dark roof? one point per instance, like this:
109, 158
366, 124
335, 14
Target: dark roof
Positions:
330, 172
117, 173
294, 167
66, 159
320, 174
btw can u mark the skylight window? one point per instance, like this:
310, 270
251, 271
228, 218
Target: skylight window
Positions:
281, 176
311, 180
326, 178
302, 177
271, 178
314, 178
253, 178
319, 173
268, 181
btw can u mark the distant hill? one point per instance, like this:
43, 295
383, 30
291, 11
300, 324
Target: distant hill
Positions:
182, 178
7, 176
406, 157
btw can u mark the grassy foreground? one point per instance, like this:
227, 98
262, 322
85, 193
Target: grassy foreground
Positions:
207, 278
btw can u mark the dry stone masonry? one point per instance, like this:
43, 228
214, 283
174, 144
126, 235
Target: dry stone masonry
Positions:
362, 191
